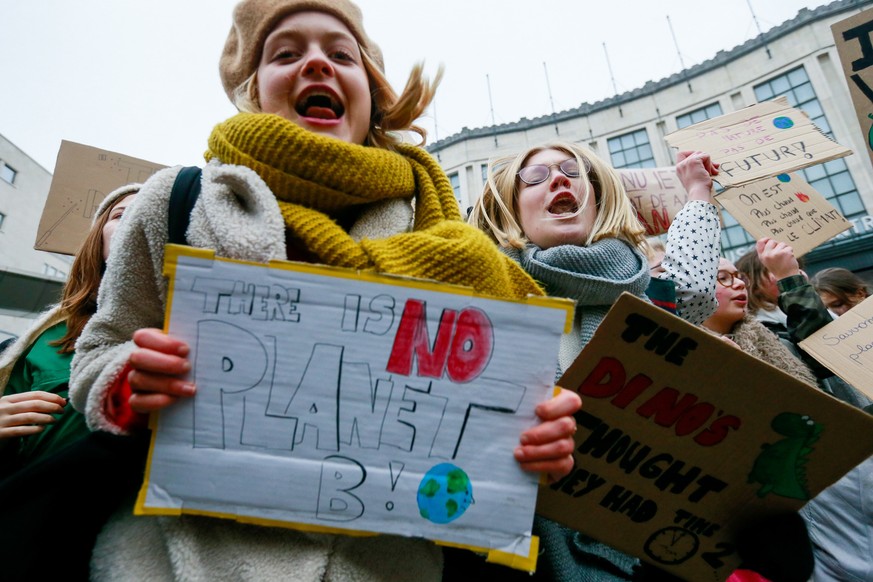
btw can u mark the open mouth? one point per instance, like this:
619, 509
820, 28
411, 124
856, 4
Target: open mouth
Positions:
740, 299
319, 104
563, 204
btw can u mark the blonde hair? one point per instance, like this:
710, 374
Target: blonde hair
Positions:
390, 114
653, 245
496, 210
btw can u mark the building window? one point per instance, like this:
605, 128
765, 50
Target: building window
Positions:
2, 220
631, 150
831, 179
456, 185
7, 173
484, 173
698, 115
52, 272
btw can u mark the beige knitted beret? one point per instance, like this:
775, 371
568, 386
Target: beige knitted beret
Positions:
253, 20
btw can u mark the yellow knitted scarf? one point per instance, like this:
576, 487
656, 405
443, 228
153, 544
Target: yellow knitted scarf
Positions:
313, 176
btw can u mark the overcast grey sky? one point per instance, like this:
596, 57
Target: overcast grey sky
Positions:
141, 78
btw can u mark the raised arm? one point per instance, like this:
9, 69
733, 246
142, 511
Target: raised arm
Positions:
797, 298
692, 249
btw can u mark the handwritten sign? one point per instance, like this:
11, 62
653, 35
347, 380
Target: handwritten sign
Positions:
760, 141
853, 42
683, 439
331, 399
657, 195
83, 177
785, 208
845, 346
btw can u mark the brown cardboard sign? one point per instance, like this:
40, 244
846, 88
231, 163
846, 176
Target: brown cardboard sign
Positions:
852, 37
785, 208
657, 195
845, 346
83, 176
683, 439
760, 141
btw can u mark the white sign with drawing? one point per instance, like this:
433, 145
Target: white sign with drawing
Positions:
349, 401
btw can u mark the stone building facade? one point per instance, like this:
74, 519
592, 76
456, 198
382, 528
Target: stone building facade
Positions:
797, 58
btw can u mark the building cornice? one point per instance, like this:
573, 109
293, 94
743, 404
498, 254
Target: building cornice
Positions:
804, 18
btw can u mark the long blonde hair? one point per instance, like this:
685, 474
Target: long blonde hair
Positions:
390, 114
496, 210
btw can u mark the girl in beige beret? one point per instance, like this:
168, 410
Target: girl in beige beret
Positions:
312, 169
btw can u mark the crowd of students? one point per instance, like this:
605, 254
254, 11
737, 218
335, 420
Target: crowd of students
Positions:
314, 168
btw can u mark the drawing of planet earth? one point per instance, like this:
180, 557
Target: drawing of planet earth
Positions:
444, 494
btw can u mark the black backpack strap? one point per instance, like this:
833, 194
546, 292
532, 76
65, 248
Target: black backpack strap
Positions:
186, 189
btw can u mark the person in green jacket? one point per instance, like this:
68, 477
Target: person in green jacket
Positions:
35, 417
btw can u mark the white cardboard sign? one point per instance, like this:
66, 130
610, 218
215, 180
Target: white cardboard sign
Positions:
334, 400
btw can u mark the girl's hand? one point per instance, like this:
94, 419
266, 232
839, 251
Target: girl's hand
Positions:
548, 447
695, 170
777, 257
27, 413
157, 364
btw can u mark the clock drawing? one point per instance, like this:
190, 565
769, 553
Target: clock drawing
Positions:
671, 545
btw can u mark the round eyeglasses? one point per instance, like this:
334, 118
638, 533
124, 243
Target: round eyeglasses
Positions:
726, 279
539, 173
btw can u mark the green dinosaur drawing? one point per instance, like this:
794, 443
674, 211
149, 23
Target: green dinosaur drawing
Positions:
781, 466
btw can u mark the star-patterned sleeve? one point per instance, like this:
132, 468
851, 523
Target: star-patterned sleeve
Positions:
691, 260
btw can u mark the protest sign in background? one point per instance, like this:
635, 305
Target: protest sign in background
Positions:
845, 346
328, 399
657, 195
83, 176
853, 42
785, 208
757, 142
684, 438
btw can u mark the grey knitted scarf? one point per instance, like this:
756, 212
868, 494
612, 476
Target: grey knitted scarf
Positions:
594, 276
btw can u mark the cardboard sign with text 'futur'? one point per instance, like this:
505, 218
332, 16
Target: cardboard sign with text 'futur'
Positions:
760, 141
785, 208
83, 176
683, 439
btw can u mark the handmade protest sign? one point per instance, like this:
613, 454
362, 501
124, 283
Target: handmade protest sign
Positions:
785, 208
332, 400
83, 176
757, 142
845, 346
657, 195
853, 42
683, 439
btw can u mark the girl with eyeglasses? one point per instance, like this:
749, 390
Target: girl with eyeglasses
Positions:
733, 320
562, 213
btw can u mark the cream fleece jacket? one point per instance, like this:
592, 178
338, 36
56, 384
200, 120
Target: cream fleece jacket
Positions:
238, 217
